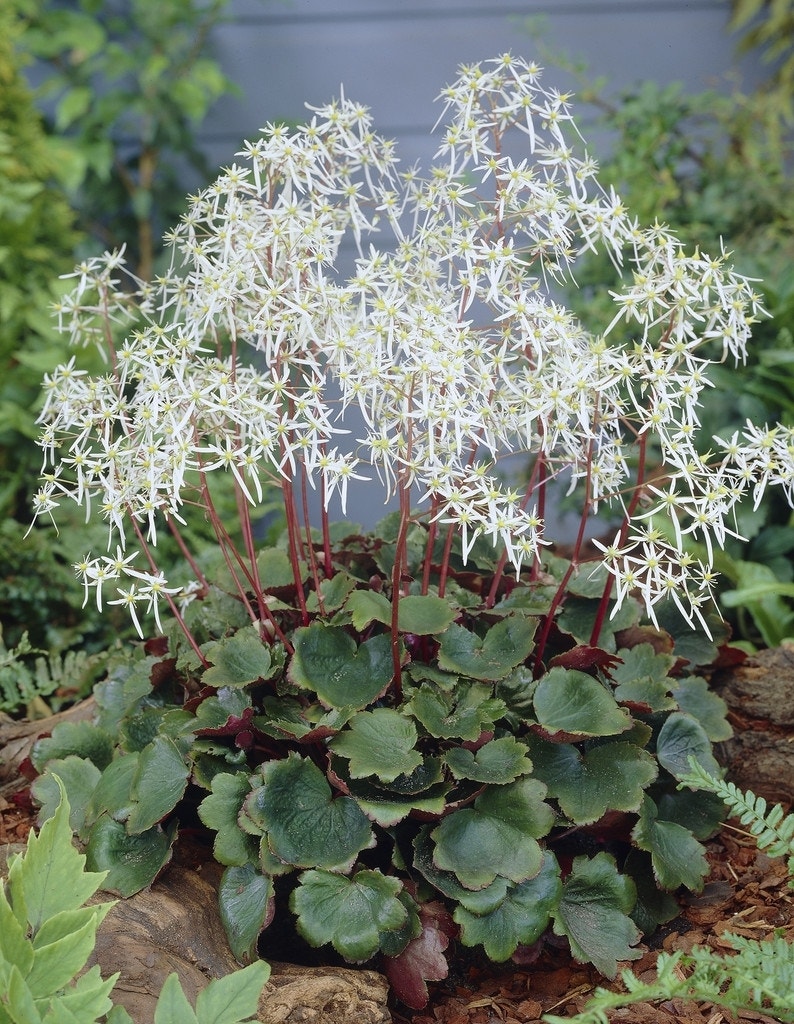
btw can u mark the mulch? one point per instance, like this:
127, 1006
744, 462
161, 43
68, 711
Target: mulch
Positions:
747, 894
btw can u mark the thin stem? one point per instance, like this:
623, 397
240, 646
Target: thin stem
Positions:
310, 544
432, 533
294, 545
397, 576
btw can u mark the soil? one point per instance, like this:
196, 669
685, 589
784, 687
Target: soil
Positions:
747, 894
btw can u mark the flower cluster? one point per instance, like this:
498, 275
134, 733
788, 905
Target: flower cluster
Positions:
247, 353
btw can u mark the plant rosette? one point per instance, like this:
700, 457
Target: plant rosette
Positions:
481, 800
440, 729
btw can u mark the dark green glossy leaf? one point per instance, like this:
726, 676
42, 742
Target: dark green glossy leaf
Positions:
238, 660
112, 794
572, 702
594, 914
677, 857
132, 861
642, 678
520, 918
496, 836
306, 826
680, 738
79, 777
245, 901
612, 776
463, 714
327, 661
220, 811
82, 739
694, 696
350, 913
158, 785
366, 606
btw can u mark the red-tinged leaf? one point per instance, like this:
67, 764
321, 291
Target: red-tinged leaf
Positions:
233, 725
584, 657
423, 958
729, 657
659, 639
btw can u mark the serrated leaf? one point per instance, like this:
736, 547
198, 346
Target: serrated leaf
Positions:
497, 836
80, 738
498, 762
245, 901
694, 697
381, 743
159, 783
88, 999
593, 913
327, 661
305, 825
642, 677
334, 592
677, 857
366, 606
572, 702
173, 1006
238, 660
275, 569
15, 949
234, 998
220, 811
79, 776
21, 998
504, 646
131, 861
58, 961
465, 713
680, 738
612, 776
350, 913
519, 919
51, 878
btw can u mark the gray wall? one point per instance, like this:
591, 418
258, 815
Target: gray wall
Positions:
395, 55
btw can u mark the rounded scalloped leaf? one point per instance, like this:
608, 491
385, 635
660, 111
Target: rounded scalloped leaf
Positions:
504, 646
497, 762
306, 825
238, 660
593, 912
680, 738
84, 739
572, 702
245, 901
350, 913
366, 606
520, 917
423, 614
465, 713
132, 862
497, 836
327, 661
696, 698
112, 792
613, 776
381, 743
79, 777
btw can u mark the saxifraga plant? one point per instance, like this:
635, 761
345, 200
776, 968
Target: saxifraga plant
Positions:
440, 728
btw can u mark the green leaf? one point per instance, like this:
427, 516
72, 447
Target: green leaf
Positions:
497, 836
275, 569
379, 742
89, 999
245, 901
80, 738
424, 614
350, 913
327, 661
238, 660
173, 1006
131, 861
680, 738
701, 813
112, 793
79, 777
158, 785
234, 998
498, 761
334, 593
51, 878
464, 713
694, 696
220, 811
520, 918
593, 913
15, 949
305, 825
677, 857
366, 606
572, 702
504, 646
19, 996
59, 960
612, 776
642, 678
